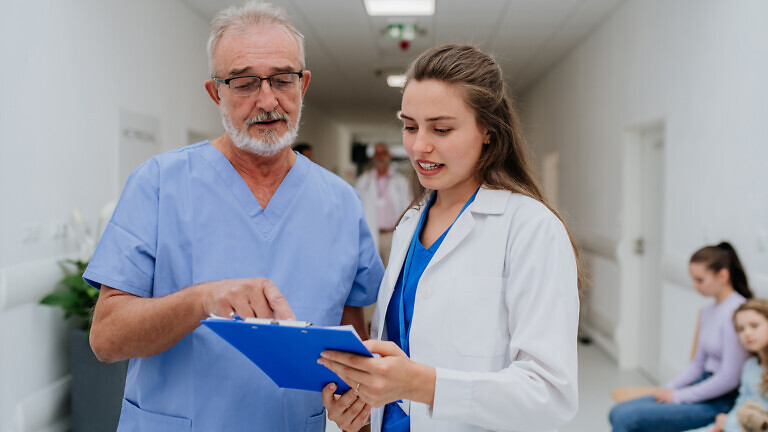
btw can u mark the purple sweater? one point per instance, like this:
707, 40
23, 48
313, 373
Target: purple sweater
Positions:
718, 352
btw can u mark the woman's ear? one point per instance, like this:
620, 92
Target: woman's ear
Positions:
486, 137
723, 275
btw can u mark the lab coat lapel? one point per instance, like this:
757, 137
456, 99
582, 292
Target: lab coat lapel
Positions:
487, 202
460, 229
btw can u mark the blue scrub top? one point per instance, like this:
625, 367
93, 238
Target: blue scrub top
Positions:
187, 217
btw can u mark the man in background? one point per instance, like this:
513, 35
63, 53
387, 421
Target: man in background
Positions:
385, 196
304, 148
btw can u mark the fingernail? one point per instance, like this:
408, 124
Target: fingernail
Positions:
333, 387
321, 361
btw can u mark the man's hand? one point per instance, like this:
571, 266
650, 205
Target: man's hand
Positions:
347, 411
252, 297
128, 326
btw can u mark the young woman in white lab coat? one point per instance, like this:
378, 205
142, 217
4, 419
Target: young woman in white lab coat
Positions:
477, 313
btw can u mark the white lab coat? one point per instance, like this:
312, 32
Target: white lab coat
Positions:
367, 188
496, 313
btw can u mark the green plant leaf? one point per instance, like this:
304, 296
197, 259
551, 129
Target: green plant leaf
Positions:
57, 298
67, 300
73, 281
74, 295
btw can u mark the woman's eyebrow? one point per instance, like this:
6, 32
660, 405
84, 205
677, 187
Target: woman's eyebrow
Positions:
431, 119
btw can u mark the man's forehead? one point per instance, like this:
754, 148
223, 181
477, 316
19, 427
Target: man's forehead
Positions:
245, 70
268, 48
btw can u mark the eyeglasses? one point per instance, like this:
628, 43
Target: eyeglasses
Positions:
248, 85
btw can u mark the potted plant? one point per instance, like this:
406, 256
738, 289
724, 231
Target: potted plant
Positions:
97, 388
74, 295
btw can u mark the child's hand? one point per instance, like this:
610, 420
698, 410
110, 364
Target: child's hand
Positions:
664, 395
719, 423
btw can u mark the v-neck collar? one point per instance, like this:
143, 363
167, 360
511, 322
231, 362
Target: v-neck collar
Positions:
265, 219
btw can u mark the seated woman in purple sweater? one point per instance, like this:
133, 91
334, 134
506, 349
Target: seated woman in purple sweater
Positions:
709, 385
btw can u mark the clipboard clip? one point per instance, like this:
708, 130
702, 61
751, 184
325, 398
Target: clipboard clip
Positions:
270, 321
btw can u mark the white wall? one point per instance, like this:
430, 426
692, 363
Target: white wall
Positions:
700, 66
331, 141
68, 69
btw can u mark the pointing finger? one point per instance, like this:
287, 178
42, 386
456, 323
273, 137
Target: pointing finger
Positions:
277, 302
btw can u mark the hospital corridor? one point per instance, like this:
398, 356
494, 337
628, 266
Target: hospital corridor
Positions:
525, 204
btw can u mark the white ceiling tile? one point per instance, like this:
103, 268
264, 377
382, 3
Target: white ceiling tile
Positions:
345, 47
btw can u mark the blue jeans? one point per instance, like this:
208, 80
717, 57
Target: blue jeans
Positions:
647, 415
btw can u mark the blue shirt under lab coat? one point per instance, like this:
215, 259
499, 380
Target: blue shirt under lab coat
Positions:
187, 217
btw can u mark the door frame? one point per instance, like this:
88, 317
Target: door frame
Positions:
638, 335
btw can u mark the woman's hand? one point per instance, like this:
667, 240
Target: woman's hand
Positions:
664, 395
379, 381
348, 411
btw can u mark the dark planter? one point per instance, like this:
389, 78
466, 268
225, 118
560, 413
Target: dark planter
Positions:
97, 388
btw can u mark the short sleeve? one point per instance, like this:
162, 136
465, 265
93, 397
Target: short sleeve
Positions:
370, 270
125, 256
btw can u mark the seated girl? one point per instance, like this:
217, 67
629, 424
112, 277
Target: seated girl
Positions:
751, 321
708, 386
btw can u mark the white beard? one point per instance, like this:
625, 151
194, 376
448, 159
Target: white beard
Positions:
269, 144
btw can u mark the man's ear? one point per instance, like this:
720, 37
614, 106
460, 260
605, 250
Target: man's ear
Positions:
305, 82
213, 91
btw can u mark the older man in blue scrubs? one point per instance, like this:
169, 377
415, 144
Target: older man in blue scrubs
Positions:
240, 224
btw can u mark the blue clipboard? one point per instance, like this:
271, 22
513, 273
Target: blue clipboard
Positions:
288, 354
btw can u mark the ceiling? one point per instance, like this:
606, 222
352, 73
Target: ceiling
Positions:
348, 51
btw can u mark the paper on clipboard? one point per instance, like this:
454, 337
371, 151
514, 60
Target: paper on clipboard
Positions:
288, 354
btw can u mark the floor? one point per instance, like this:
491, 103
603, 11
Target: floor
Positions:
598, 375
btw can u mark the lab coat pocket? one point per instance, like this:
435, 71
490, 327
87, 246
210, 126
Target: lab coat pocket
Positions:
316, 422
478, 317
133, 418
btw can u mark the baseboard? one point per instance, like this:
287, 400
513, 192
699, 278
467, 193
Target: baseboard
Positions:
45, 410
675, 271
63, 425
602, 246
759, 284
28, 282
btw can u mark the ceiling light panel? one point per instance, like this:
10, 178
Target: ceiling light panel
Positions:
397, 81
400, 7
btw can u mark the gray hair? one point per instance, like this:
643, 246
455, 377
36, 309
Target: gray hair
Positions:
253, 13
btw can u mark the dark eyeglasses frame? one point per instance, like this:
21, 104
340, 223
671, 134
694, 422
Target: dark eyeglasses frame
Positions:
261, 79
